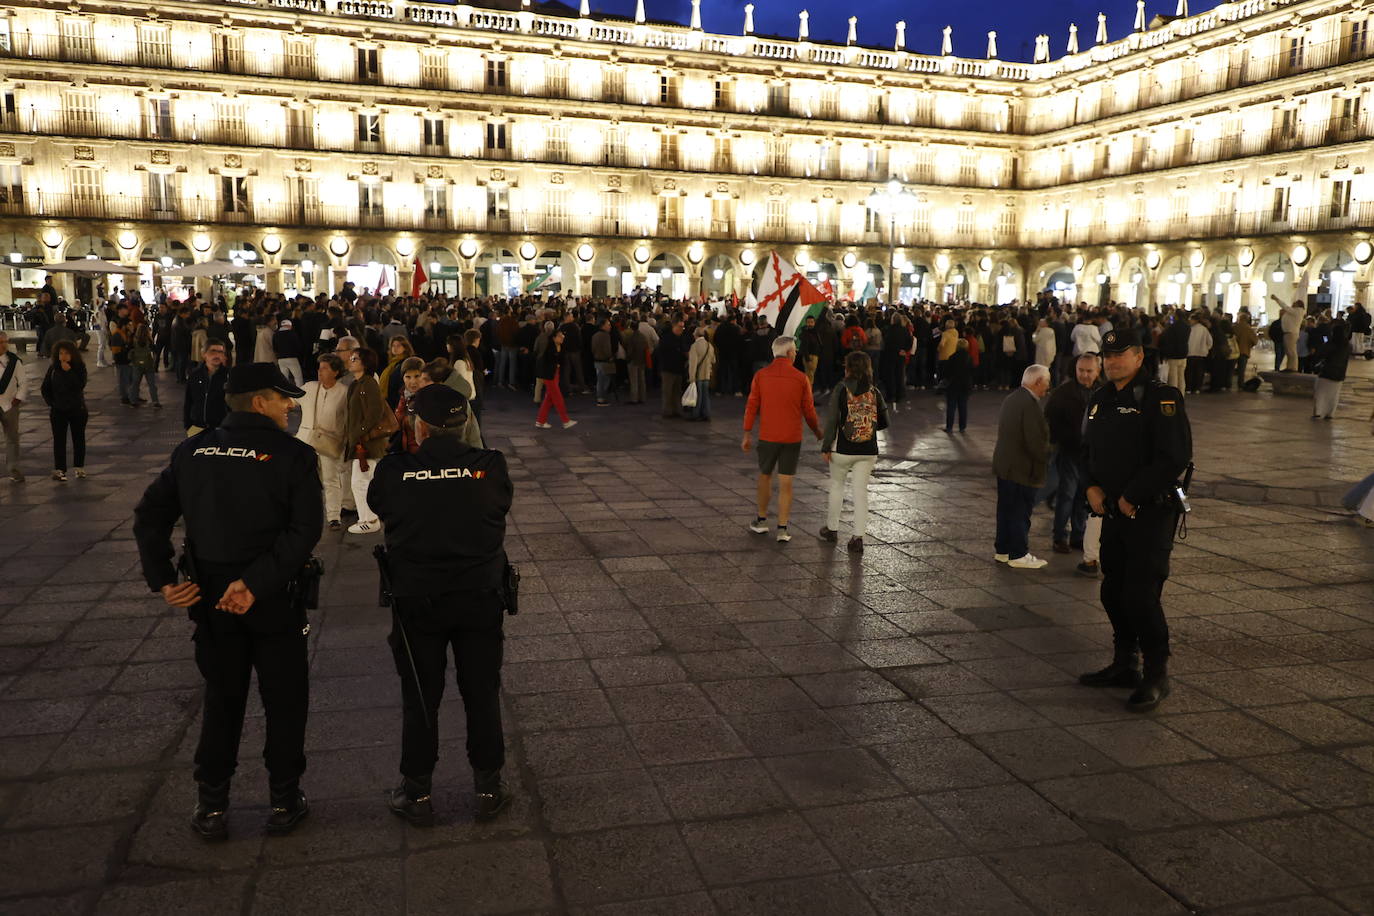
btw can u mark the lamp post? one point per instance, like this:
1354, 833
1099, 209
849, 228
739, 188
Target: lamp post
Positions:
887, 199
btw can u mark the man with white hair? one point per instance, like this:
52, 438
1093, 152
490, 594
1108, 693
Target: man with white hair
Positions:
780, 396
1020, 460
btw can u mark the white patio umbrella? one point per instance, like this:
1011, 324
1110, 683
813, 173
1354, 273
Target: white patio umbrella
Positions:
214, 269
88, 266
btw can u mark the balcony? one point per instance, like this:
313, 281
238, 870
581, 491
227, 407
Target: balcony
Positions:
1212, 226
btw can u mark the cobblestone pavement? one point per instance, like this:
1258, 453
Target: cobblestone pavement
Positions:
701, 720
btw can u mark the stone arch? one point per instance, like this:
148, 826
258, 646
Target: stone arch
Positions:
561, 269
372, 267
442, 270
1133, 283
1003, 283
612, 273
720, 275
23, 279
498, 272
1334, 275
674, 281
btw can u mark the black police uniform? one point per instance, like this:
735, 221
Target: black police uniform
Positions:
253, 504
444, 510
1137, 442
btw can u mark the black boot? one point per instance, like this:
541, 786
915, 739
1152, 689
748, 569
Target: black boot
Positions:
1153, 689
1124, 671
211, 804
492, 796
289, 808
410, 800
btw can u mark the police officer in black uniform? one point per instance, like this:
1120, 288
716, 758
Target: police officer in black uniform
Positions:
251, 497
1137, 443
444, 510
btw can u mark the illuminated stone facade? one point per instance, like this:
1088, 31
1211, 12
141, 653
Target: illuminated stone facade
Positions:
326, 139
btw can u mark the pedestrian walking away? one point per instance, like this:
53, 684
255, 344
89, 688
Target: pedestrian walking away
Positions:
446, 575
780, 398
1138, 442
250, 497
856, 415
64, 391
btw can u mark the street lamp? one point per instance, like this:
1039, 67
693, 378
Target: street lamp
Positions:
889, 198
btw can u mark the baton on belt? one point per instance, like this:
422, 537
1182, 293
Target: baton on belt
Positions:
386, 599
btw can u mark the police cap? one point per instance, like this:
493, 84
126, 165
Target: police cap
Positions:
1119, 340
440, 405
258, 377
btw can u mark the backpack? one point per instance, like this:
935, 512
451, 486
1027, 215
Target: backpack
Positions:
1276, 331
861, 415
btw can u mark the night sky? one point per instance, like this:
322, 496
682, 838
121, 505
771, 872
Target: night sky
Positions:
1017, 24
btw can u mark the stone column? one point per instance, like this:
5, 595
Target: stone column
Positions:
273, 279
584, 285
467, 283
1362, 293
693, 282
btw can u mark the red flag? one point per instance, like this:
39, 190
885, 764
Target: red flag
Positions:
828, 289
418, 279
381, 280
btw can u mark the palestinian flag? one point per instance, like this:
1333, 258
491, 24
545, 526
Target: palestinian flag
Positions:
785, 296
540, 282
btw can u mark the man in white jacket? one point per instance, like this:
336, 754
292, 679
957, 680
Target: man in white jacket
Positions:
1199, 346
14, 388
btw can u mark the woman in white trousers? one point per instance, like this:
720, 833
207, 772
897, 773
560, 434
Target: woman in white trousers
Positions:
324, 414
368, 428
849, 445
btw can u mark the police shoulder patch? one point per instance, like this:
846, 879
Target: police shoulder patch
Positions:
1168, 408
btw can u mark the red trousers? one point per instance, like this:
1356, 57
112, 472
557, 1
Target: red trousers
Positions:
553, 397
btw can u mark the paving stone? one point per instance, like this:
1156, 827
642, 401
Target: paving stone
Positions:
1115, 804
1315, 847
717, 788
597, 800
222, 895
887, 831
332, 888
683, 740
504, 877
621, 864
1231, 734
832, 777
953, 886
1001, 817
1080, 879
1316, 779
1139, 742
821, 896
942, 763
755, 848
1209, 868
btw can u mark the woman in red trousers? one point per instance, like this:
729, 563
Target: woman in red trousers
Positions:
547, 370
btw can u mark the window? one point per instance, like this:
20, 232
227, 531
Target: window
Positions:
669, 213
722, 215
230, 121
155, 45
556, 147
775, 219
557, 83
229, 52
1340, 199
233, 194
86, 184
436, 201
162, 194
300, 126
871, 222
1296, 47
1279, 212
434, 132
556, 210
722, 93
369, 70
305, 199
613, 84
615, 146
369, 198
1288, 122
921, 223
1006, 225
1358, 43
667, 90
369, 127
496, 137
11, 185
1346, 114
300, 58
968, 168
667, 150
496, 75
76, 39
722, 163
434, 70
160, 119
613, 212
498, 202
777, 98
965, 224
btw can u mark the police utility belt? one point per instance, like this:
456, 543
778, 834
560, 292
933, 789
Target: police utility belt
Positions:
302, 591
508, 591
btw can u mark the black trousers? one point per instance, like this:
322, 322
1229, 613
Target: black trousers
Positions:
63, 420
1135, 565
227, 653
471, 626
1194, 372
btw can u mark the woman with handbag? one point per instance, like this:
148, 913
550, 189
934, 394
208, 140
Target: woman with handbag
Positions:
368, 428
547, 368
857, 414
324, 415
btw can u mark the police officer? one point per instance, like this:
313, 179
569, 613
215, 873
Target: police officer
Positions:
1137, 442
253, 505
444, 509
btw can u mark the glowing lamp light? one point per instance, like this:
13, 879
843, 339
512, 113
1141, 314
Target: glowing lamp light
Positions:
307, 265
1363, 252
1278, 276
405, 248
1180, 277
1225, 276
611, 271
1137, 277
812, 267
1101, 279
201, 242
985, 263
338, 246
822, 276
91, 256
642, 255
165, 261
52, 238
467, 248
1349, 268
746, 257
435, 267
127, 240
528, 251
585, 252
720, 274
237, 262
666, 272
850, 259
271, 244
15, 257
1300, 255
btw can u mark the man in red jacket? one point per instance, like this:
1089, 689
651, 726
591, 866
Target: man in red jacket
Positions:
781, 398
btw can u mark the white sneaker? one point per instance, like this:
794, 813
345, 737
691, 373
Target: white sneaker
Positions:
1029, 561
365, 527
784, 536
759, 527
570, 424
1001, 557
543, 425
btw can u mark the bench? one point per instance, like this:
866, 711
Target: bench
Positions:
1300, 384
